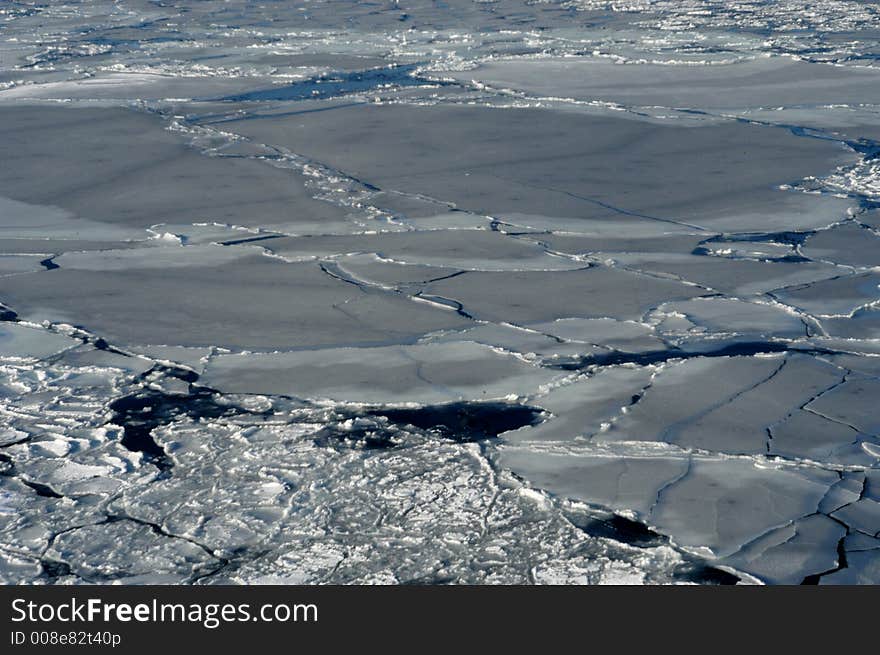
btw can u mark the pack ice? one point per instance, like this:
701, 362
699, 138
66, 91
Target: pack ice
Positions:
512, 292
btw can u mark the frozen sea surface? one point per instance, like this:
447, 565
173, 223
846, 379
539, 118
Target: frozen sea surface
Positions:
554, 292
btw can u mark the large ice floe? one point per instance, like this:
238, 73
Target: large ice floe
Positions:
553, 292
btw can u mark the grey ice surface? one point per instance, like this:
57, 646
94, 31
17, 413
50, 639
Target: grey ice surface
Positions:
742, 84
559, 292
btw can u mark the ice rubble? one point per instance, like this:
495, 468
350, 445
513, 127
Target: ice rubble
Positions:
555, 292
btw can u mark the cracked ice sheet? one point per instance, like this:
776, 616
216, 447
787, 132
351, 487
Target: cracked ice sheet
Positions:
560, 341
840, 296
18, 264
290, 494
246, 303
849, 244
863, 324
595, 292
123, 88
714, 506
845, 403
728, 276
780, 556
457, 249
710, 323
18, 342
45, 247
630, 336
433, 373
723, 504
577, 166
730, 403
583, 407
755, 83
157, 256
530, 344
20, 220
122, 168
